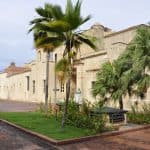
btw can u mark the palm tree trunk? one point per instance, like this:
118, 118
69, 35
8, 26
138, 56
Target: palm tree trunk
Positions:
55, 82
66, 104
64, 118
47, 80
120, 103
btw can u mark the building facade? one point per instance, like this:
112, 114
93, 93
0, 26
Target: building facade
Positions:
27, 83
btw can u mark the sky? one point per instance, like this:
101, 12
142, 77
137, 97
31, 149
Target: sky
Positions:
17, 45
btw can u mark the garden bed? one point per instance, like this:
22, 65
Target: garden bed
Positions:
42, 124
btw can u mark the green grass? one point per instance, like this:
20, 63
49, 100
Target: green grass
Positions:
48, 126
139, 118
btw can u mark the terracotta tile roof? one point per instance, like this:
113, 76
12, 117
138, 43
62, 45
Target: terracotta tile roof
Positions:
13, 70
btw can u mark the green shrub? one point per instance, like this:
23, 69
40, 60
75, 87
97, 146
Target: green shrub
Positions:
41, 107
146, 108
79, 116
140, 116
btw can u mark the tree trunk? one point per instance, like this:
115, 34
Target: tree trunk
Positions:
55, 83
47, 80
64, 118
66, 104
120, 103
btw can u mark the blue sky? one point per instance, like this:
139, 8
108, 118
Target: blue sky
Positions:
16, 45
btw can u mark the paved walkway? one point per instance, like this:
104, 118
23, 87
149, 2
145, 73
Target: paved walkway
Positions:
16, 106
14, 139
137, 140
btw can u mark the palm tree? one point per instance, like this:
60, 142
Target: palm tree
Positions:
129, 73
136, 62
55, 28
109, 84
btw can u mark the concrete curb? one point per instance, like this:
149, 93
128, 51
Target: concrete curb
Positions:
75, 140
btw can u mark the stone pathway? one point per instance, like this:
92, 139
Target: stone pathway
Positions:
137, 140
14, 139
16, 106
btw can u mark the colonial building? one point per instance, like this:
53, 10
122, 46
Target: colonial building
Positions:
27, 83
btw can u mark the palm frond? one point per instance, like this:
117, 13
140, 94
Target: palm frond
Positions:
87, 41
52, 42
73, 14
69, 7
53, 26
84, 20
38, 20
62, 68
59, 26
143, 84
43, 13
55, 11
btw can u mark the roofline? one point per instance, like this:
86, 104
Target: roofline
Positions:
28, 63
18, 73
93, 54
125, 30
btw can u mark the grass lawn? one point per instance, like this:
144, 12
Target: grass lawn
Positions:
48, 126
139, 118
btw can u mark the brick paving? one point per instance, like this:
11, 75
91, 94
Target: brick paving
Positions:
14, 139
137, 140
17, 106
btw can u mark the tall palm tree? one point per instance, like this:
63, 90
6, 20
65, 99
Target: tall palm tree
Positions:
55, 28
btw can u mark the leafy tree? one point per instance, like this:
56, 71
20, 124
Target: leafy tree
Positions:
127, 74
55, 28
